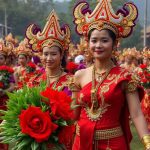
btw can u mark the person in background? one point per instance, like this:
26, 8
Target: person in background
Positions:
22, 53
7, 82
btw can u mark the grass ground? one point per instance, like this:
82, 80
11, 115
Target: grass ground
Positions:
136, 143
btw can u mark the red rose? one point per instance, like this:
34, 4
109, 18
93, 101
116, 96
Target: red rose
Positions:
144, 80
6, 68
32, 65
72, 67
59, 103
143, 66
36, 123
1, 85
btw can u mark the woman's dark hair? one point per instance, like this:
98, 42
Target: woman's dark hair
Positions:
111, 34
5, 56
63, 61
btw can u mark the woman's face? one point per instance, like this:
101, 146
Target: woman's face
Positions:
22, 60
52, 57
2, 60
101, 44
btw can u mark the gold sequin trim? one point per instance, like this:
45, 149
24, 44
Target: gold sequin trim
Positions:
104, 134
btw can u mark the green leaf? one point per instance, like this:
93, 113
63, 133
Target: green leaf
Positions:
34, 145
25, 142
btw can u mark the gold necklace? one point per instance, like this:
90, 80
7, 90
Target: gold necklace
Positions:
100, 75
95, 111
55, 76
95, 88
55, 82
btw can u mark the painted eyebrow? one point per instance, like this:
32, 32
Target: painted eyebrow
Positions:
98, 38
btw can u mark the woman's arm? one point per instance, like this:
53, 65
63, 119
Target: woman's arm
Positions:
138, 118
16, 77
136, 113
75, 88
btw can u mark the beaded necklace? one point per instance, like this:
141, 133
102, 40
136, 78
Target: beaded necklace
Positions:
95, 88
55, 82
95, 111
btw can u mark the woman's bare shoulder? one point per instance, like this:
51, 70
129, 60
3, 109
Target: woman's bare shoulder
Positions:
82, 72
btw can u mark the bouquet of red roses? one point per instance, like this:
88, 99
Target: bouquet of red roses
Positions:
31, 67
144, 75
5, 75
37, 119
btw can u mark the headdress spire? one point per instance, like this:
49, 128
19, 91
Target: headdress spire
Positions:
52, 34
104, 17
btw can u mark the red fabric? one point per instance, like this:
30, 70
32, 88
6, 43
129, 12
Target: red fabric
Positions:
116, 114
43, 78
145, 105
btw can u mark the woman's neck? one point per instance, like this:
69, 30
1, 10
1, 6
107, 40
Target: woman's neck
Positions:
53, 72
103, 65
23, 65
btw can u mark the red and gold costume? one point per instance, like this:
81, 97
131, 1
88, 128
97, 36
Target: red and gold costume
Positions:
21, 71
6, 78
52, 35
145, 80
6, 73
104, 119
112, 117
145, 105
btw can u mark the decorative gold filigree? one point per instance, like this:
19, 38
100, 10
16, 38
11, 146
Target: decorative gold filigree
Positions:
52, 34
104, 17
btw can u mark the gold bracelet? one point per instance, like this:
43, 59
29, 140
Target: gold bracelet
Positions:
72, 86
146, 141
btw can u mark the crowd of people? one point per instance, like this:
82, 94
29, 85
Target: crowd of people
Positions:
106, 83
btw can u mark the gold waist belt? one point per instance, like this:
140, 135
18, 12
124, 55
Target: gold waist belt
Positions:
104, 134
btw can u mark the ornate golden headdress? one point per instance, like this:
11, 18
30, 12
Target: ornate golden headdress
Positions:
11, 43
133, 52
23, 48
52, 34
103, 17
9, 38
146, 52
83, 45
5, 48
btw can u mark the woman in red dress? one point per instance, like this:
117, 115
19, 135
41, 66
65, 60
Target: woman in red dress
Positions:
6, 81
103, 93
53, 41
22, 53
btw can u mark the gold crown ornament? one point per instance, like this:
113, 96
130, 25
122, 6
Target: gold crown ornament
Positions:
146, 52
9, 38
23, 48
11, 43
83, 45
104, 17
5, 48
52, 34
